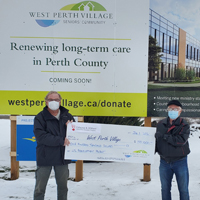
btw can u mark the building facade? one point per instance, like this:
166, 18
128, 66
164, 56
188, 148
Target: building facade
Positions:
179, 49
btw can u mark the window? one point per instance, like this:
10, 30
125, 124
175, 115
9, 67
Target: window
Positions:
163, 42
176, 47
170, 44
173, 46
169, 69
187, 51
155, 19
155, 34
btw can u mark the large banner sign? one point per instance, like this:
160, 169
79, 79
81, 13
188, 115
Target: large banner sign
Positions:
93, 52
103, 142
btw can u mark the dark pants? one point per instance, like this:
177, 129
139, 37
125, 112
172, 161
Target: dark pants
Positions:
180, 169
42, 177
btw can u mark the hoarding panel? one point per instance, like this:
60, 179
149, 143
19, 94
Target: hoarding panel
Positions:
95, 51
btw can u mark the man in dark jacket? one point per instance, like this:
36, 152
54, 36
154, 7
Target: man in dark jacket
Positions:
172, 145
50, 132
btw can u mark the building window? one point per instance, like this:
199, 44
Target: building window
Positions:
170, 38
191, 52
155, 34
163, 42
169, 69
176, 47
194, 53
187, 51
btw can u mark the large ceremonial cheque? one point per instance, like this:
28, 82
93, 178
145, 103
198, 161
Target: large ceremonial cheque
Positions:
103, 142
94, 53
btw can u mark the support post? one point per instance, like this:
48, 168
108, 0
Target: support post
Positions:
14, 164
147, 167
147, 172
79, 163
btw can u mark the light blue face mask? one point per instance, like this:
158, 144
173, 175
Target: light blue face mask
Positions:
173, 114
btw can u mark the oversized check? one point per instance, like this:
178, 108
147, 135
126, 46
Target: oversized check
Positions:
103, 142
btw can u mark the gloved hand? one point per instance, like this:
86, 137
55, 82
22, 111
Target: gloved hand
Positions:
167, 137
158, 134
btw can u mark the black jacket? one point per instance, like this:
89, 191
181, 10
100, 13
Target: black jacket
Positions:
50, 134
172, 143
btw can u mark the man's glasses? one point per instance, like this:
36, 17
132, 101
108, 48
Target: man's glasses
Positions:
53, 100
173, 109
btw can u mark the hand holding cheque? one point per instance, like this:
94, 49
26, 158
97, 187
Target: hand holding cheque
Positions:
67, 142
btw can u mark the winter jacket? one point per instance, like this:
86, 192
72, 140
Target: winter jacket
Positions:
172, 144
50, 134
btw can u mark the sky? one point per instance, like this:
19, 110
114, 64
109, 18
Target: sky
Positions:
184, 13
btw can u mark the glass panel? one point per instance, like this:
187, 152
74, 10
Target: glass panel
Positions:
169, 56
155, 20
170, 29
163, 59
175, 36
189, 52
169, 60
156, 26
155, 33
163, 25
170, 33
173, 46
163, 30
161, 39
177, 47
164, 20
152, 32
156, 15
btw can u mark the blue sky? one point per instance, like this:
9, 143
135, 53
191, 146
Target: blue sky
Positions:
184, 13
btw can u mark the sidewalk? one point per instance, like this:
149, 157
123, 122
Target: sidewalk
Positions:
175, 84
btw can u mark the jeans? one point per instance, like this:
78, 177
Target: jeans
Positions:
180, 169
42, 177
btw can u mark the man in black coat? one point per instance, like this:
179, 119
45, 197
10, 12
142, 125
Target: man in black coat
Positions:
50, 132
172, 145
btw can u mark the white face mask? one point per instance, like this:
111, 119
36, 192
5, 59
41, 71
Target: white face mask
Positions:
53, 105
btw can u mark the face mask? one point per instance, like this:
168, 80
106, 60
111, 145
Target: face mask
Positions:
53, 105
173, 114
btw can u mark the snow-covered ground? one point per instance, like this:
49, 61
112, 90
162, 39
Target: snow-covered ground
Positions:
102, 181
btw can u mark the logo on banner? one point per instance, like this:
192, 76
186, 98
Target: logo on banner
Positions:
30, 139
81, 13
138, 153
85, 6
73, 127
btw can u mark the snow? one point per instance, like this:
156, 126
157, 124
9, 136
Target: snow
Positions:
102, 181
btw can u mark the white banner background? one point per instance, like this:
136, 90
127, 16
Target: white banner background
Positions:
124, 28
